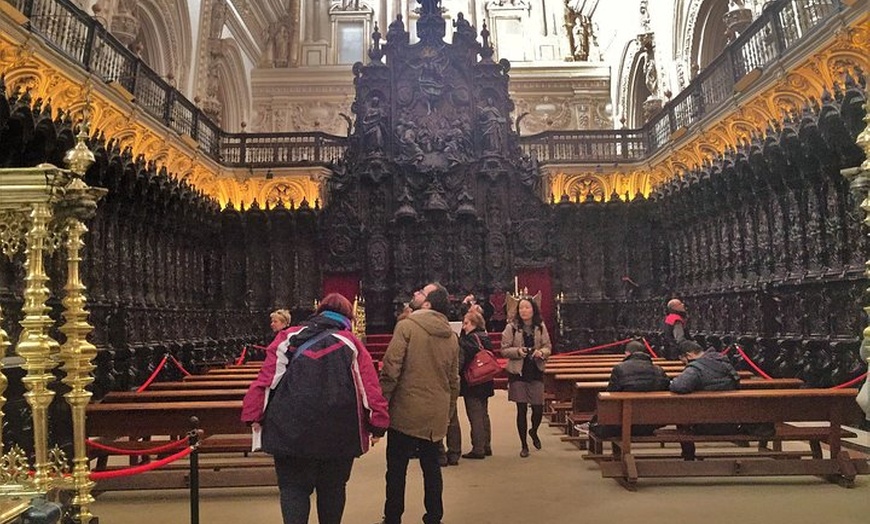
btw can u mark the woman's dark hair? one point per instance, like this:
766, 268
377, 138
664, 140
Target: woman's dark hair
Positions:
337, 303
536, 313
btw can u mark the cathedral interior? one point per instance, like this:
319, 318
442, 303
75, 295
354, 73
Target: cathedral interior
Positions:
258, 154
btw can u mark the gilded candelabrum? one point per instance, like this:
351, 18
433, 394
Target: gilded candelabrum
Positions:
78, 204
36, 347
38, 203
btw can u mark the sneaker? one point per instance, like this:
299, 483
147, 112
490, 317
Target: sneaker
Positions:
473, 455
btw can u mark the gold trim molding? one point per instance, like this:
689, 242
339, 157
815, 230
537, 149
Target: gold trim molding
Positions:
29, 63
848, 49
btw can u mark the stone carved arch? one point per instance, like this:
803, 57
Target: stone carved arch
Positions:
699, 35
579, 186
166, 36
742, 129
638, 92
627, 77
284, 191
234, 92
836, 65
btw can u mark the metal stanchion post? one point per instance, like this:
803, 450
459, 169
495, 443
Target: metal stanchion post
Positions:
193, 437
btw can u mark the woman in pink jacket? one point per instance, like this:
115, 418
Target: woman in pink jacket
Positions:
319, 405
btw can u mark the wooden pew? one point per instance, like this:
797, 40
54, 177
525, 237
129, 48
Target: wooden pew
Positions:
168, 412
779, 406
585, 397
217, 378
210, 384
561, 385
233, 371
170, 395
136, 419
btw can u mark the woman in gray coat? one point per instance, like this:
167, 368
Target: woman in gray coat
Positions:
526, 343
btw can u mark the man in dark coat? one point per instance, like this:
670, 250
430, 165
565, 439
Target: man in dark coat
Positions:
705, 371
635, 373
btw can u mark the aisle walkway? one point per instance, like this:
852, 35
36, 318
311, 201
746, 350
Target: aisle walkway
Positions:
554, 485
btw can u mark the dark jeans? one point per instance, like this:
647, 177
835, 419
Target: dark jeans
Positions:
400, 447
298, 477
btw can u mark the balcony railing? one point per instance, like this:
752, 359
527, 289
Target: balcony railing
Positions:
781, 26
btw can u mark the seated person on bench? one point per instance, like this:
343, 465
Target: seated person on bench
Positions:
635, 373
705, 371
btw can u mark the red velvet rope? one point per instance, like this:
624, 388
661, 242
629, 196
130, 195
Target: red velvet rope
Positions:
851, 382
175, 444
725, 351
179, 366
135, 470
751, 363
593, 349
650, 349
241, 359
261, 348
148, 382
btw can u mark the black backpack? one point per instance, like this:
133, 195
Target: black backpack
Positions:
313, 410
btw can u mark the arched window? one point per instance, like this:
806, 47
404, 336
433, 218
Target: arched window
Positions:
710, 35
164, 38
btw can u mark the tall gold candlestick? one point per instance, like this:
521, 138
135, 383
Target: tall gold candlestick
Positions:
36, 346
77, 354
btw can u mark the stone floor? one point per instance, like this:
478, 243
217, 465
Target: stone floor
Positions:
554, 485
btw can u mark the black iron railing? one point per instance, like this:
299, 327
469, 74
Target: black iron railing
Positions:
80, 37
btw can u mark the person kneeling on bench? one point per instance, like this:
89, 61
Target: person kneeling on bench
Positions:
635, 373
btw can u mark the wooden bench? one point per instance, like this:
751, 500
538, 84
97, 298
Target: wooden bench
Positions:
778, 406
585, 397
209, 384
562, 384
169, 395
134, 419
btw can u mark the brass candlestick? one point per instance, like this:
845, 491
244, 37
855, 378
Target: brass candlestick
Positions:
77, 354
36, 346
79, 203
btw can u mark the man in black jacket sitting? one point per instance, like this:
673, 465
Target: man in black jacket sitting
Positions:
635, 373
705, 371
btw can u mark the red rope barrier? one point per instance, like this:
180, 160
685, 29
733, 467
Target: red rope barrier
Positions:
851, 382
261, 348
148, 382
179, 366
135, 470
241, 359
593, 349
175, 444
725, 351
649, 348
752, 364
